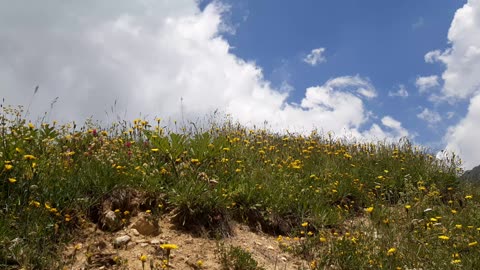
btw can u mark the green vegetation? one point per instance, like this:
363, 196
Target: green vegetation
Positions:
334, 202
235, 258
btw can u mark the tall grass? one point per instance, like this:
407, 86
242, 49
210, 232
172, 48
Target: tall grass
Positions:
334, 202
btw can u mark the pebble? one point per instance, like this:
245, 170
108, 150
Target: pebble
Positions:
154, 241
121, 240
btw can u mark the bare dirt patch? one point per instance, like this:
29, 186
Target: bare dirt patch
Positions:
97, 249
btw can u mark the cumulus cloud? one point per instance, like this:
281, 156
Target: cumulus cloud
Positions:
401, 92
425, 83
158, 58
431, 117
462, 59
315, 57
461, 80
432, 56
463, 137
392, 130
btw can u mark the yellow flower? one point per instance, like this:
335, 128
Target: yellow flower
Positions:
29, 157
8, 167
304, 224
195, 160
369, 209
457, 261
143, 258
199, 263
168, 246
12, 180
443, 237
408, 206
469, 197
391, 251
473, 244
226, 149
35, 203
30, 125
154, 149
323, 239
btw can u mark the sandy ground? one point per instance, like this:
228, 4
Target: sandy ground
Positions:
95, 249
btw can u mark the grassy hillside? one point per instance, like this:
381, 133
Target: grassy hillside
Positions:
332, 202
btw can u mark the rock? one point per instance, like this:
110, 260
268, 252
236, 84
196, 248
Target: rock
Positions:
121, 240
154, 241
284, 259
270, 248
110, 221
134, 232
146, 225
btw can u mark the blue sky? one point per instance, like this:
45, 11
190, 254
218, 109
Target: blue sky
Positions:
383, 40
368, 70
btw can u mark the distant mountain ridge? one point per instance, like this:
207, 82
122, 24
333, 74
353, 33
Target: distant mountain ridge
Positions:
472, 175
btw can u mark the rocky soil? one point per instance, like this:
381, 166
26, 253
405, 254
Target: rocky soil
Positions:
98, 249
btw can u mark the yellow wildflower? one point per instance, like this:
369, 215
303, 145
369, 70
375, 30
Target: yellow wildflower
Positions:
469, 197
29, 157
471, 244
391, 251
443, 237
369, 209
8, 167
168, 246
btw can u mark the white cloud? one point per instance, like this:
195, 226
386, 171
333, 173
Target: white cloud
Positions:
431, 117
392, 131
451, 114
463, 137
432, 56
315, 57
461, 80
462, 60
158, 58
425, 83
394, 125
401, 92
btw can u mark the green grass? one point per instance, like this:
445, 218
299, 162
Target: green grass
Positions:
312, 191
